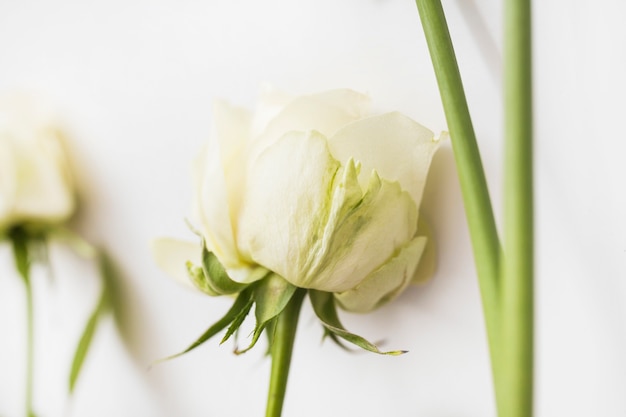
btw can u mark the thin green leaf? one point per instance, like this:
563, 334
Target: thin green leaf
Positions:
240, 303
110, 277
332, 336
85, 340
325, 309
241, 316
107, 272
271, 296
216, 276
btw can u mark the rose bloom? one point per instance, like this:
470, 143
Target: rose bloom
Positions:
36, 188
314, 189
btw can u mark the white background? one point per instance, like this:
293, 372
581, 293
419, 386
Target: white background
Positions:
134, 81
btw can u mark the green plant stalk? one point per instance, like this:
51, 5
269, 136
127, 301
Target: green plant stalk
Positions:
22, 263
478, 209
30, 340
281, 351
518, 264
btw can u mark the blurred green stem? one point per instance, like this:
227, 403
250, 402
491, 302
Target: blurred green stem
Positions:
30, 350
21, 255
518, 265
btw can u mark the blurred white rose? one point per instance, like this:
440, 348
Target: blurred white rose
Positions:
36, 186
315, 190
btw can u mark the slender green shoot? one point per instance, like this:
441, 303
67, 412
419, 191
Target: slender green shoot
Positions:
518, 264
280, 351
30, 354
22, 257
478, 209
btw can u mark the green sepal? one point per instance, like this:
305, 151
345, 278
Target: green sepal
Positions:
324, 306
197, 276
271, 296
270, 331
238, 321
241, 303
336, 340
215, 276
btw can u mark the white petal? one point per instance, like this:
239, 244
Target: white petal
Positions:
270, 103
8, 184
37, 185
362, 233
44, 191
398, 148
324, 112
386, 282
172, 255
286, 203
428, 261
219, 180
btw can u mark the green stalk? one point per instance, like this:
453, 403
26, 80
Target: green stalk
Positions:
21, 255
30, 350
280, 351
480, 218
518, 265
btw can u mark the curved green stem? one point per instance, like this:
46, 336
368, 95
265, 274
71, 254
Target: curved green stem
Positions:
280, 351
478, 209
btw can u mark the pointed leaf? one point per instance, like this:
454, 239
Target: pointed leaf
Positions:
241, 302
241, 316
332, 336
271, 296
325, 309
105, 301
85, 341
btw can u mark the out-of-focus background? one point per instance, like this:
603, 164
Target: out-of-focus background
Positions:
134, 81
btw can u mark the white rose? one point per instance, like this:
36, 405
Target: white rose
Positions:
36, 187
315, 190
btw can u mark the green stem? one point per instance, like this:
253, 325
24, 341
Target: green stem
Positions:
21, 255
480, 218
30, 350
281, 350
518, 265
